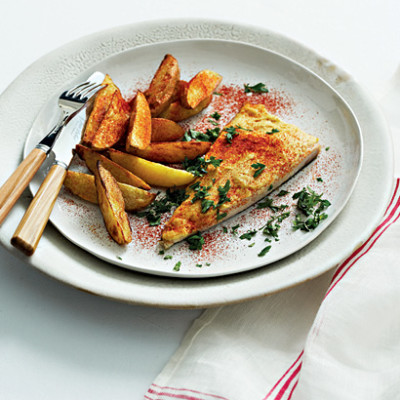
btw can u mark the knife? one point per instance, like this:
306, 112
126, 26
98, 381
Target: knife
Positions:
31, 227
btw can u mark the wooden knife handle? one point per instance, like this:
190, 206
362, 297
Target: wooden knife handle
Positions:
31, 227
18, 181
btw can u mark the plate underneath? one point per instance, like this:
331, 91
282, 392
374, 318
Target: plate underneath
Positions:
62, 260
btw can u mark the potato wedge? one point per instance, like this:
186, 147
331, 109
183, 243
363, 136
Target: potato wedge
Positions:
176, 112
100, 106
120, 174
199, 88
114, 124
153, 173
83, 186
139, 131
163, 85
180, 89
165, 130
112, 205
173, 152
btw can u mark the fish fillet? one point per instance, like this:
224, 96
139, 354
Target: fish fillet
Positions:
262, 138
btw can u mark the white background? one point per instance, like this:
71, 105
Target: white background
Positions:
59, 343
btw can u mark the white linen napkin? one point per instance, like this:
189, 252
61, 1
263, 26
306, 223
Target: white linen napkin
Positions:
336, 337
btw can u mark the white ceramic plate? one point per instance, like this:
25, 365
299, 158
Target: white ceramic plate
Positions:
296, 95
62, 260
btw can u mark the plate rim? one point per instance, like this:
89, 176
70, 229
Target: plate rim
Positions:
142, 298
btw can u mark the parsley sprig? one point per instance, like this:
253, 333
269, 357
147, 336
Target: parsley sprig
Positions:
259, 167
269, 203
312, 206
231, 132
210, 135
195, 241
258, 88
198, 166
248, 235
273, 225
172, 198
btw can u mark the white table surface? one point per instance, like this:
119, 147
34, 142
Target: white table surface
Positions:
59, 343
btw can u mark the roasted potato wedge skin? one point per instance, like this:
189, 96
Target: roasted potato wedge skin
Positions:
163, 85
100, 106
83, 186
112, 205
153, 173
176, 112
120, 174
173, 152
165, 130
139, 131
114, 124
199, 88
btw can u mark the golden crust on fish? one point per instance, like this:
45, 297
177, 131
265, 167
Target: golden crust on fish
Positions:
261, 138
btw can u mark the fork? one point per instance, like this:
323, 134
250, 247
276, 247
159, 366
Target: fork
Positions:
70, 102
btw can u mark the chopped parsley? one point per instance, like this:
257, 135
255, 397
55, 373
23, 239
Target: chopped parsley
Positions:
119, 258
192, 134
168, 257
223, 192
268, 203
282, 193
218, 94
199, 165
153, 212
234, 229
252, 245
225, 229
213, 134
259, 167
161, 252
199, 265
327, 148
177, 266
206, 205
208, 264
264, 251
272, 227
319, 179
221, 215
312, 205
258, 88
201, 192
212, 122
195, 241
274, 130
230, 133
216, 115
248, 235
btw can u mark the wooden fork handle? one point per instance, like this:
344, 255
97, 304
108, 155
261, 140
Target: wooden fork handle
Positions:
18, 181
31, 227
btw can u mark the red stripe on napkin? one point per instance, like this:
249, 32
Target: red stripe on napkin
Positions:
285, 387
284, 375
167, 392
